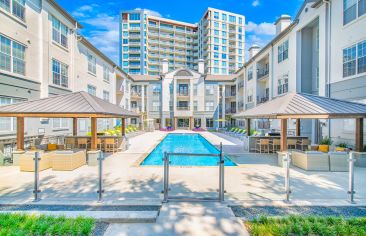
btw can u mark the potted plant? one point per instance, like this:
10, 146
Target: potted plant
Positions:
324, 144
341, 147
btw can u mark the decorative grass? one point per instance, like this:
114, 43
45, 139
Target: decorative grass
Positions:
307, 225
22, 224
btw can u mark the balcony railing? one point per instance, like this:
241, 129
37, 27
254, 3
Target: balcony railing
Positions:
262, 100
182, 108
231, 110
262, 73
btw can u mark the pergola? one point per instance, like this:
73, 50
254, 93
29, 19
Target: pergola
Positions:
307, 106
73, 105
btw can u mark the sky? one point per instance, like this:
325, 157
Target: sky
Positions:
100, 17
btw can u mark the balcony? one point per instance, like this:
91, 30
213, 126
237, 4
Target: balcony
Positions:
262, 74
231, 110
262, 100
182, 108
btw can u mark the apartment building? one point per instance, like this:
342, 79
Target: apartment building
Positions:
146, 40
183, 98
42, 55
322, 52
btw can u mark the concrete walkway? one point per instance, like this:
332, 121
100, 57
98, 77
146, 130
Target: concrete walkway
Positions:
211, 219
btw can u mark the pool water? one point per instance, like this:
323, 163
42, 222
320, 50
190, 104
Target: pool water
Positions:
185, 143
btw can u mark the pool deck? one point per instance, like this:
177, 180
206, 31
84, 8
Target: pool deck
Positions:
256, 180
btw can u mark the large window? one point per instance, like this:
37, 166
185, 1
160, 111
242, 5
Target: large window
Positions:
106, 95
250, 73
12, 56
8, 124
283, 51
15, 7
92, 64
282, 84
92, 90
59, 32
106, 73
60, 123
354, 59
210, 106
353, 9
349, 61
135, 16
156, 106
60, 73
209, 123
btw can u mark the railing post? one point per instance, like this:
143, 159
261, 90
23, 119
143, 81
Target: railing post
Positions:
166, 177
287, 177
351, 178
36, 190
221, 175
100, 177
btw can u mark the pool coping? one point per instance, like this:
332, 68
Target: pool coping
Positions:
143, 156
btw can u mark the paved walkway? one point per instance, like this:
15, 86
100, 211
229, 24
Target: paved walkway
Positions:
194, 219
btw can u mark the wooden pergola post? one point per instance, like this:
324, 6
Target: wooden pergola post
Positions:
283, 135
74, 126
93, 134
123, 127
247, 124
20, 133
298, 128
359, 135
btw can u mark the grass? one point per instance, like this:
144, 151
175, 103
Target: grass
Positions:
307, 225
22, 224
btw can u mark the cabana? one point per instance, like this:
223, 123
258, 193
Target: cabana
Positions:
307, 106
73, 105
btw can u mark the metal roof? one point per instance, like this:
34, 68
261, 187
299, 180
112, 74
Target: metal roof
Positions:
77, 104
302, 105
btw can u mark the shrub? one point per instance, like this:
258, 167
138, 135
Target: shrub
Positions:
326, 141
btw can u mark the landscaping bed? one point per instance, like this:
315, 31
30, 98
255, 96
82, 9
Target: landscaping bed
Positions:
24, 224
306, 225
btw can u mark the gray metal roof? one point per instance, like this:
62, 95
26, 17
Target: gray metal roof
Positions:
75, 104
302, 105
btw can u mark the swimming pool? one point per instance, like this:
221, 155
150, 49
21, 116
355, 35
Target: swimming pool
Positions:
185, 143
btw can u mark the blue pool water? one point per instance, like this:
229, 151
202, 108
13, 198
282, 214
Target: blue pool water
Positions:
185, 143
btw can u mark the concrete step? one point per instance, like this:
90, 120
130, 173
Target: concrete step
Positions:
103, 216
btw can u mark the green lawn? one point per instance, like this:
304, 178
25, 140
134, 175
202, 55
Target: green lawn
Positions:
307, 225
21, 224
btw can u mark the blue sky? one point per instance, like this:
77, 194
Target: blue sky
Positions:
100, 17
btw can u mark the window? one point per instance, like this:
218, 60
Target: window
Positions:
224, 41
216, 32
216, 15
92, 90
8, 124
195, 90
216, 40
216, 55
17, 7
216, 62
209, 123
349, 11
282, 85
12, 56
240, 20
216, 47
283, 51
60, 73
223, 56
156, 106
195, 105
209, 89
224, 17
92, 64
232, 19
134, 16
250, 73
216, 24
106, 73
156, 89
216, 70
210, 106
105, 95
361, 57
224, 26
224, 34
250, 96
59, 32
60, 123
349, 61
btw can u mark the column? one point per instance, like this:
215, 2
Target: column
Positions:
359, 135
142, 98
93, 133
74, 126
283, 135
20, 133
223, 106
123, 127
247, 123
298, 127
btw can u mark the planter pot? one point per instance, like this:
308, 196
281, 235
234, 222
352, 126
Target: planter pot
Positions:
360, 159
323, 148
340, 149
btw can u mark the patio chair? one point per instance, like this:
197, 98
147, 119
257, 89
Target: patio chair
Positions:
82, 143
291, 143
69, 143
110, 145
263, 146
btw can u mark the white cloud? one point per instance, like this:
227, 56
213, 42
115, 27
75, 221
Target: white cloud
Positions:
255, 3
149, 12
263, 28
85, 10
